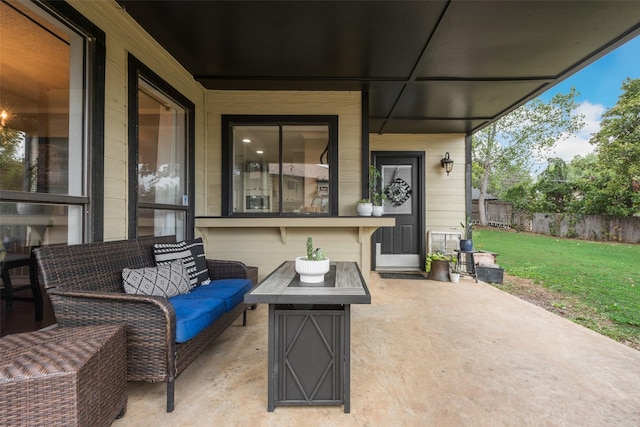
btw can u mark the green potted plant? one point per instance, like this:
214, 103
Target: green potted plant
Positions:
454, 274
377, 196
374, 204
437, 265
314, 265
466, 242
364, 207
378, 203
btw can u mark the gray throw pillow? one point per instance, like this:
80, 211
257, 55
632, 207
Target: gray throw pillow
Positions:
164, 280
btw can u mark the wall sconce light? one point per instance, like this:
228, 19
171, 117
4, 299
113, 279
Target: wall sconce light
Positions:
447, 163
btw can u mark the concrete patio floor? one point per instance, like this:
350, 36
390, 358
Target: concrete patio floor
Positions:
424, 353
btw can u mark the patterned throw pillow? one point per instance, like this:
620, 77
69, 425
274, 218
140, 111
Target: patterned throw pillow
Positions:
197, 251
164, 280
195, 264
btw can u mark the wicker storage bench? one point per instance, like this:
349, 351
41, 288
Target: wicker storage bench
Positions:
84, 283
63, 377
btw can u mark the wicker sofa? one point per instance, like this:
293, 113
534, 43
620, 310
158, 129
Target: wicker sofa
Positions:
84, 283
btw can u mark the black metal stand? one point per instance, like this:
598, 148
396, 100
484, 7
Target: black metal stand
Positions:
467, 262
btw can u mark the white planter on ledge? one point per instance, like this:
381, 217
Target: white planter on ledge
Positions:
364, 209
378, 211
311, 271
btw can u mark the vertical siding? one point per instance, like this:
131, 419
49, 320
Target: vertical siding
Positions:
124, 35
344, 104
445, 195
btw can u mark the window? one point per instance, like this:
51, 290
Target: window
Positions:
280, 165
51, 124
160, 156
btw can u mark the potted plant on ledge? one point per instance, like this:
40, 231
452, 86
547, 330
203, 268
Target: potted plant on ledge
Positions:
378, 203
374, 204
364, 207
314, 266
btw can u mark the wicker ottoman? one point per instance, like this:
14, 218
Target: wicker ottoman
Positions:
64, 376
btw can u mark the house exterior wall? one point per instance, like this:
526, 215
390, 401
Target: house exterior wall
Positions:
264, 247
346, 105
444, 195
124, 35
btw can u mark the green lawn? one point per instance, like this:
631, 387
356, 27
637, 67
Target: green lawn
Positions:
604, 277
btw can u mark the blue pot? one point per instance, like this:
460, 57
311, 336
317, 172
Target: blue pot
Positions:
466, 245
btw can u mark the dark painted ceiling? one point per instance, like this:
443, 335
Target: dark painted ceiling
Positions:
428, 66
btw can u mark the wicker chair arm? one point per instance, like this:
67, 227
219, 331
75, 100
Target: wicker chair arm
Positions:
150, 320
222, 269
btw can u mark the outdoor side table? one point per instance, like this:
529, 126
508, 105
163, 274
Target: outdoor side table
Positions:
466, 259
309, 334
68, 376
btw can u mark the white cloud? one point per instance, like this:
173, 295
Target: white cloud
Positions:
578, 143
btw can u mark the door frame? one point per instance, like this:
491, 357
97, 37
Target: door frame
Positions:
420, 156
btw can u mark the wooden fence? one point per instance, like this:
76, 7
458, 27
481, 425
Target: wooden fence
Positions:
498, 214
589, 227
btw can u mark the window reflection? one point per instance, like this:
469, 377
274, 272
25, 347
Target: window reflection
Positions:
42, 142
281, 169
161, 147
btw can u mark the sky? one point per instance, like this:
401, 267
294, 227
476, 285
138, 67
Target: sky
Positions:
599, 85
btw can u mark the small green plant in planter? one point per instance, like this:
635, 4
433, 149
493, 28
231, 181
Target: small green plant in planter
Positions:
314, 266
316, 254
454, 274
379, 198
376, 196
364, 207
378, 204
374, 177
454, 264
438, 256
437, 265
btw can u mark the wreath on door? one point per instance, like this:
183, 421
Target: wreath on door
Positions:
398, 191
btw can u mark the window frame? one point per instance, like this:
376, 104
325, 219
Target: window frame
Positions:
93, 121
136, 70
228, 121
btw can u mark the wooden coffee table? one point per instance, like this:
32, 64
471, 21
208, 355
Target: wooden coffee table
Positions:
309, 334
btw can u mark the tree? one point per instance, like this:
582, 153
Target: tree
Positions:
553, 191
11, 161
521, 137
582, 173
616, 183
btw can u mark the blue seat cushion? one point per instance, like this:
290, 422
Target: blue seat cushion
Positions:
231, 291
195, 314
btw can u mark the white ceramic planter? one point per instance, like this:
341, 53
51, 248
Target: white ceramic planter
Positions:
364, 209
311, 271
378, 211
454, 277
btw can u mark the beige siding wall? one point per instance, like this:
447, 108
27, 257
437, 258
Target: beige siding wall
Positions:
124, 35
264, 247
344, 104
445, 195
